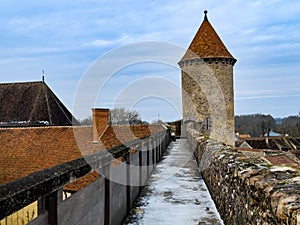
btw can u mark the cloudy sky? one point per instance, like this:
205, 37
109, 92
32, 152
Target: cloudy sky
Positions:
64, 38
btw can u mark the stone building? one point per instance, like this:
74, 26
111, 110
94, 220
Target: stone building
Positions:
207, 84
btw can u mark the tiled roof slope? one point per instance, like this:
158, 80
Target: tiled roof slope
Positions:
280, 159
206, 44
27, 150
81, 182
114, 136
29, 103
275, 143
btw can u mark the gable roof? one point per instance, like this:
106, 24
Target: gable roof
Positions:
31, 103
245, 145
207, 44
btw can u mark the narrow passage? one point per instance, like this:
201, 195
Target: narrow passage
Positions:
176, 194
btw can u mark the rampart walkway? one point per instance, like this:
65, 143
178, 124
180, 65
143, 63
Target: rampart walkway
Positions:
175, 194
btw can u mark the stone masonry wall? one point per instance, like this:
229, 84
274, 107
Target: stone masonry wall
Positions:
207, 93
247, 190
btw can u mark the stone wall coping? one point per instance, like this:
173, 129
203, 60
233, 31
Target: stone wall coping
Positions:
278, 185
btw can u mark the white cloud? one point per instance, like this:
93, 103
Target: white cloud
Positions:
262, 35
266, 97
99, 43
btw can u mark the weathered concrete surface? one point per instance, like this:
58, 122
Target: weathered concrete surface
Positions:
176, 194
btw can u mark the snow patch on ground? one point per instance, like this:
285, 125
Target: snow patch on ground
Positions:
176, 193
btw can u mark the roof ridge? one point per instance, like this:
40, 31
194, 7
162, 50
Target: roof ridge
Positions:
41, 127
21, 82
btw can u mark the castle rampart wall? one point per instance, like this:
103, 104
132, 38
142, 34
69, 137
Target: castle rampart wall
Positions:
247, 190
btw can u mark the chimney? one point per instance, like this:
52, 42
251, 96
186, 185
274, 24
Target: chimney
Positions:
100, 122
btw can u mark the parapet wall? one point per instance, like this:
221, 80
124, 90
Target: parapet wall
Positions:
247, 190
123, 171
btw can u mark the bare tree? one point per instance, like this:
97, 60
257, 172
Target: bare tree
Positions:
256, 125
290, 125
86, 121
157, 121
118, 116
124, 116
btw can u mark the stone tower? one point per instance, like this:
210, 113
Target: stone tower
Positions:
207, 84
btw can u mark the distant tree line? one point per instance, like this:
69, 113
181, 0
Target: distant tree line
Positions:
259, 125
86, 121
290, 125
256, 125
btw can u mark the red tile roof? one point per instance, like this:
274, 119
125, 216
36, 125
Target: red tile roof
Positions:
27, 150
280, 159
116, 135
244, 136
207, 44
275, 142
81, 182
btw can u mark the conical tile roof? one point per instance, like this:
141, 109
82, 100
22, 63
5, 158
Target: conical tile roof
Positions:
207, 44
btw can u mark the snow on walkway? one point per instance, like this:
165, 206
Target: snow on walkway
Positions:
176, 194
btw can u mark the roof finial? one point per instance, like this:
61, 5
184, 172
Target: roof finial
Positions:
205, 15
43, 76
